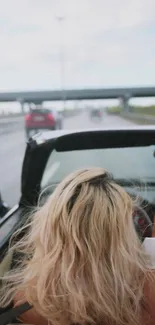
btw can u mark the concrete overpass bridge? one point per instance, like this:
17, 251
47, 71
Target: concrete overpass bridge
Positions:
38, 97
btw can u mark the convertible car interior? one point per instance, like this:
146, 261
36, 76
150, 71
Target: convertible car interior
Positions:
129, 154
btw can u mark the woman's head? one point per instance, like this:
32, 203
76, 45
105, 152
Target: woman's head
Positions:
83, 259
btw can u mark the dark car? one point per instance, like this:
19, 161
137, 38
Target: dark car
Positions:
96, 113
42, 119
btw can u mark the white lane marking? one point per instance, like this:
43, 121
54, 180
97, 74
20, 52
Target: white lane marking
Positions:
49, 173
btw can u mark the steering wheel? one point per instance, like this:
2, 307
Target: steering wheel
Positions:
142, 222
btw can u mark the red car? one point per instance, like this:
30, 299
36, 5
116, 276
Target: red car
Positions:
42, 119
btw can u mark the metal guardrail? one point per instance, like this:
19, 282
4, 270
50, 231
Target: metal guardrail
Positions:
139, 117
10, 119
10, 124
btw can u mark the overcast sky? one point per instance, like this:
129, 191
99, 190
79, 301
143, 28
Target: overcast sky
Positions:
106, 43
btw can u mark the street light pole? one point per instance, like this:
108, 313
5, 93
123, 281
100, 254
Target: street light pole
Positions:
62, 61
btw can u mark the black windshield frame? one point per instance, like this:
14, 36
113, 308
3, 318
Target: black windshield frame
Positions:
38, 152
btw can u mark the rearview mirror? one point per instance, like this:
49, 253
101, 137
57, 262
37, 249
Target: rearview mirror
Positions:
3, 207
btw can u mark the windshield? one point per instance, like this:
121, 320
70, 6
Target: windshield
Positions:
123, 163
68, 65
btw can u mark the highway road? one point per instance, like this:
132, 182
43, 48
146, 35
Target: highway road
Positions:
12, 147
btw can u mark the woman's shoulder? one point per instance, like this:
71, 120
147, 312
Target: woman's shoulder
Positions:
30, 315
6, 315
11, 314
6, 309
148, 306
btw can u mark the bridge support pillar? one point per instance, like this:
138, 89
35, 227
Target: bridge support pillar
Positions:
21, 102
22, 107
124, 103
30, 107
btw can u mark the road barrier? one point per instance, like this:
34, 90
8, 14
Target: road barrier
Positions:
12, 123
135, 117
139, 118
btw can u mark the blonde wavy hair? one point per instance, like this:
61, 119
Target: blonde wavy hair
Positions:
82, 260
